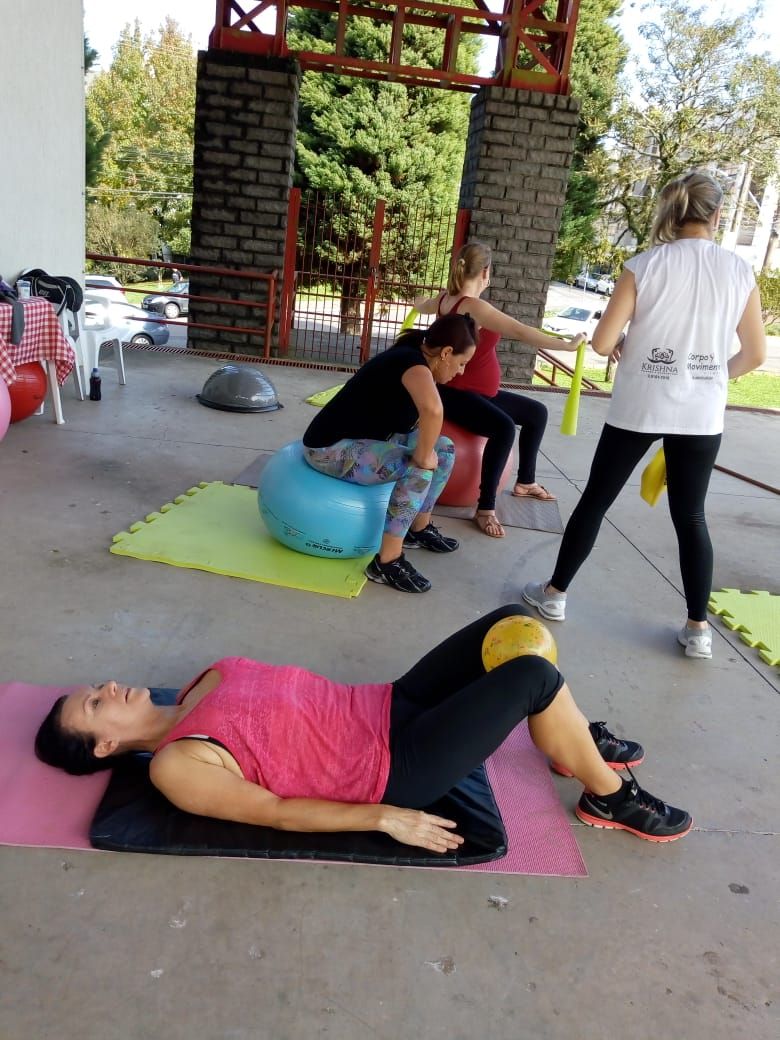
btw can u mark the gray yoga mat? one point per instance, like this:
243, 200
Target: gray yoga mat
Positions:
250, 475
529, 513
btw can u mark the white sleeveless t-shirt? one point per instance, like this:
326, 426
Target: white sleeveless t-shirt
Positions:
673, 376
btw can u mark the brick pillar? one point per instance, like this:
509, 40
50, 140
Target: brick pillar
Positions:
246, 111
515, 173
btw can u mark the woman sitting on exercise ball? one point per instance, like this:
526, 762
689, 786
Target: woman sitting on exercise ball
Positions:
475, 401
384, 426
281, 747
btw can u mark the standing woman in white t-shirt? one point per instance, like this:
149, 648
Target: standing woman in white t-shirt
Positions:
685, 298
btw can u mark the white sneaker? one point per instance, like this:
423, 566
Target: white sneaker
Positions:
551, 605
697, 641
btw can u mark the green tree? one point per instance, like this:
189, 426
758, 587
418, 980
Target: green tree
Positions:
95, 141
121, 231
769, 289
367, 139
145, 101
701, 100
598, 57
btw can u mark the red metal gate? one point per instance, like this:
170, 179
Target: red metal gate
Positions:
353, 267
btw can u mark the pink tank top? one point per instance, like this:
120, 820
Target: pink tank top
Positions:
483, 372
295, 733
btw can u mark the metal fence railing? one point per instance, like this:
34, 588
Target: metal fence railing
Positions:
353, 267
226, 317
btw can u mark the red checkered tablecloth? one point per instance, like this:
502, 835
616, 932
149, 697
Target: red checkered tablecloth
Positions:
42, 340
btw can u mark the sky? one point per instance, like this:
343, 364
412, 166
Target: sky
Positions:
104, 20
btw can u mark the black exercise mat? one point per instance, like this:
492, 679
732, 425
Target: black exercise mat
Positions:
134, 817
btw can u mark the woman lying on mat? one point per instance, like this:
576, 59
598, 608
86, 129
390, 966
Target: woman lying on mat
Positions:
282, 747
384, 425
474, 399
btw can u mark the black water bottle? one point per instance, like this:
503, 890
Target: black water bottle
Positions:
94, 385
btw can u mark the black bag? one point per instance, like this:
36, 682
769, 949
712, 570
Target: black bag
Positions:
62, 292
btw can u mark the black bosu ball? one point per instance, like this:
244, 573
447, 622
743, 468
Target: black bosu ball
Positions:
239, 388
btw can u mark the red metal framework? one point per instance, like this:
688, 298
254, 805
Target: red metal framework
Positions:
534, 39
353, 267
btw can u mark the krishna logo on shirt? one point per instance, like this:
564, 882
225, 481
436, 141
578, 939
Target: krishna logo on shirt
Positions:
660, 363
661, 356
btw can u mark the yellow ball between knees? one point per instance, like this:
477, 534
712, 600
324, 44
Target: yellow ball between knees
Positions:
515, 636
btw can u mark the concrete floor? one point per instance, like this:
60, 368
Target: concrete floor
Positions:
670, 941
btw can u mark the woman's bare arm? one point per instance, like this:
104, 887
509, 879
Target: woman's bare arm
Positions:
619, 310
752, 339
427, 304
198, 784
489, 317
422, 390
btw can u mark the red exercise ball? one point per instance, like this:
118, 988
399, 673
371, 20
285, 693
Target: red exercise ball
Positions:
462, 489
28, 390
5, 408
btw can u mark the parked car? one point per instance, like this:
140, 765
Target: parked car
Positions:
169, 302
586, 281
103, 281
572, 320
605, 285
141, 328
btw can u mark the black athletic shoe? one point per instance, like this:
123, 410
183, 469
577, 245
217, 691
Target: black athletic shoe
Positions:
430, 538
618, 754
398, 574
639, 813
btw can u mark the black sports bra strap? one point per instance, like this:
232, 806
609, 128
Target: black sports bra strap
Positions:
453, 309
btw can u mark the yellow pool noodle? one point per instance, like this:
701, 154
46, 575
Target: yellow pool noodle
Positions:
572, 407
409, 320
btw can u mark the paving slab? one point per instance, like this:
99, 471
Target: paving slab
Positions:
677, 941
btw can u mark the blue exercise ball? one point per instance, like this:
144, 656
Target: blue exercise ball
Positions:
320, 515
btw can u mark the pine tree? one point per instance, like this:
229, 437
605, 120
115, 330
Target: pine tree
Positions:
367, 139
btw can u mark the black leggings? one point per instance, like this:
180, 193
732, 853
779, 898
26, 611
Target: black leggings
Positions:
689, 462
496, 418
447, 715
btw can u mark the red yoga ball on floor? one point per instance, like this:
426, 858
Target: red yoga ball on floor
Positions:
462, 489
28, 390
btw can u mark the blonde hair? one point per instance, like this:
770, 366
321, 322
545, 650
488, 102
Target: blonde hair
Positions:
470, 261
690, 199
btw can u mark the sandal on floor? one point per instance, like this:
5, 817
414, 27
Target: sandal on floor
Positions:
489, 524
535, 491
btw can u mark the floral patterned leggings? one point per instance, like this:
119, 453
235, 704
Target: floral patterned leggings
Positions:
385, 462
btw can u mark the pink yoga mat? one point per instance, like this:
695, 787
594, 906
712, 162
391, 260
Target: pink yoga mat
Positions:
46, 807
39, 805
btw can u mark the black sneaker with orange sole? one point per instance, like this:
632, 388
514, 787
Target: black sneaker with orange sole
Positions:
638, 812
617, 753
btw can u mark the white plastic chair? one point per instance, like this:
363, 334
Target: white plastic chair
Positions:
97, 332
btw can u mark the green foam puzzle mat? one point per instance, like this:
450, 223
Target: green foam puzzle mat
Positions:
323, 396
755, 616
217, 527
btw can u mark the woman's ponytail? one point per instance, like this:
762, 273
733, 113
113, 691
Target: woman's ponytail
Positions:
410, 338
471, 260
690, 199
